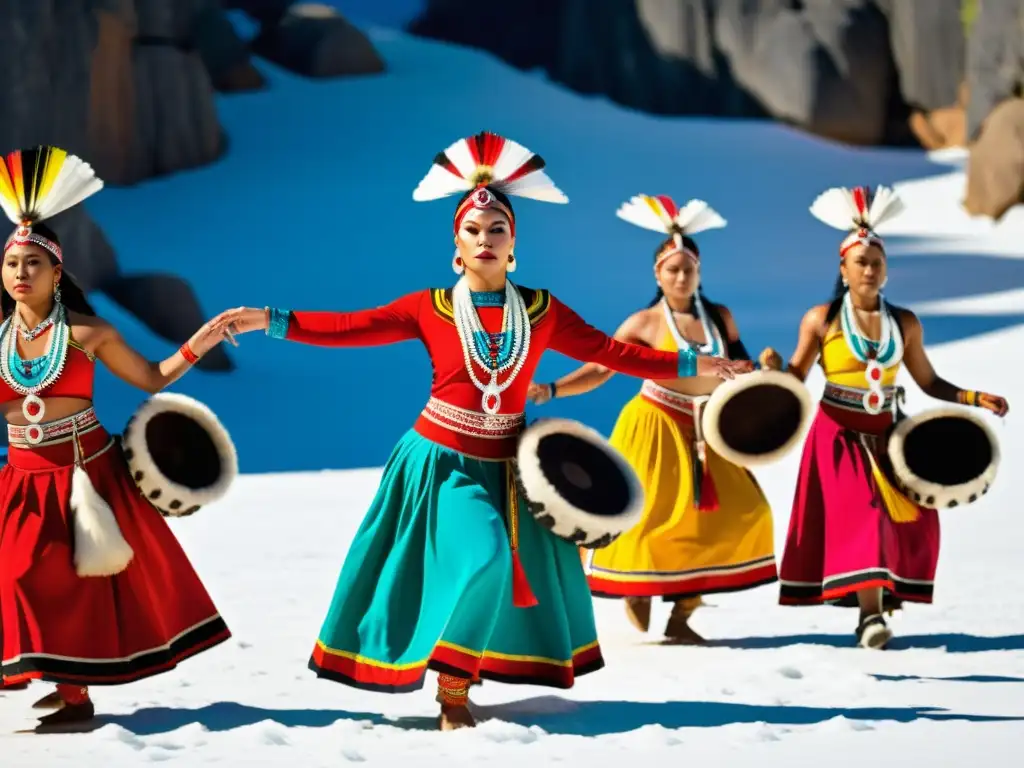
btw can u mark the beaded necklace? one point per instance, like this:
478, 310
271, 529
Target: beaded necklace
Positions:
29, 377
711, 347
887, 352
507, 352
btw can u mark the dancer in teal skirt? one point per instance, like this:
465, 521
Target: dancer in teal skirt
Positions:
444, 572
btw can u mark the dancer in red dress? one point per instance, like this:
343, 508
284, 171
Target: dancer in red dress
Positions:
445, 572
94, 587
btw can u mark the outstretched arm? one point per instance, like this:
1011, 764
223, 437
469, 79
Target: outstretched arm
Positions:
590, 376
572, 336
920, 368
151, 376
388, 324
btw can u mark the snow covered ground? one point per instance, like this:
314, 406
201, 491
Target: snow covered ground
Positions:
780, 686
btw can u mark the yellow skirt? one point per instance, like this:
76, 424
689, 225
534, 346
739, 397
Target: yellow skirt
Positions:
677, 550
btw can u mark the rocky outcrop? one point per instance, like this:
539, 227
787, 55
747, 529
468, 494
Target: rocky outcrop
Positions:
995, 59
314, 40
853, 70
995, 170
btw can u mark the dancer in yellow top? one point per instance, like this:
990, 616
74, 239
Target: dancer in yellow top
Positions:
854, 538
707, 526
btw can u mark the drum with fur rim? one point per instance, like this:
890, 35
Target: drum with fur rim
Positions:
944, 457
756, 418
180, 455
576, 484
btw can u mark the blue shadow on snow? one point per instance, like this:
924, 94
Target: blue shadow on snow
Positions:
951, 643
553, 714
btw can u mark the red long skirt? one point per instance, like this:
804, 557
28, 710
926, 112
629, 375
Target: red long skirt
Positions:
63, 628
841, 537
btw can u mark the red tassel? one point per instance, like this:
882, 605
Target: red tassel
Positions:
708, 495
522, 595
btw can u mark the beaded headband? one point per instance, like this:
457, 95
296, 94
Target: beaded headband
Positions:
24, 235
483, 199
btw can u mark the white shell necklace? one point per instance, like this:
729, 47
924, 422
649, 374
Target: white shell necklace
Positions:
514, 320
710, 347
32, 407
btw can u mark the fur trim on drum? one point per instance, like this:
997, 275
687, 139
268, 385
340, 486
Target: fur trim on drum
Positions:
929, 493
174, 497
562, 518
712, 413
100, 549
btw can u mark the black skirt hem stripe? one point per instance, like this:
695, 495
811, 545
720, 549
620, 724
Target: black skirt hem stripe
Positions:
97, 673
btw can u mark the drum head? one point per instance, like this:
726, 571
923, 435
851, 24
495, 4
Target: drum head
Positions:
756, 418
944, 458
576, 484
179, 454
182, 450
583, 474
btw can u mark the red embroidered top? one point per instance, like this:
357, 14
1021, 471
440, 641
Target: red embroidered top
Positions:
454, 417
76, 380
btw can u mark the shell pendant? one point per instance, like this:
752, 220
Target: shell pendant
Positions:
491, 400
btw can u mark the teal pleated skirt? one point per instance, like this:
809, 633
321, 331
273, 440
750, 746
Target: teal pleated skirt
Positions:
428, 583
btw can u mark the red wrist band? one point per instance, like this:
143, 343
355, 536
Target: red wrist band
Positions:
188, 354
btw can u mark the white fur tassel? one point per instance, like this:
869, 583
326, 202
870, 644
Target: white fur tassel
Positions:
100, 549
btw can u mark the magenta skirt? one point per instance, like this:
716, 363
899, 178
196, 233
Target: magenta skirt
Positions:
842, 533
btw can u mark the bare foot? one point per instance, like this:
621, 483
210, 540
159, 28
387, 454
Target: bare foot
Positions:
452, 718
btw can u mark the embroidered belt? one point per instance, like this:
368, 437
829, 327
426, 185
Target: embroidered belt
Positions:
52, 432
474, 423
852, 398
677, 401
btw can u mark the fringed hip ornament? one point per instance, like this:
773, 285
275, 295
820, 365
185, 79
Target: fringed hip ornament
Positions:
705, 495
522, 595
100, 548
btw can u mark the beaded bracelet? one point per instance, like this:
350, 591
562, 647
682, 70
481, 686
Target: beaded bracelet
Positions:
277, 322
687, 363
186, 351
967, 397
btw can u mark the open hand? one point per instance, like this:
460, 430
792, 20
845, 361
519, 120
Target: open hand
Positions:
770, 360
241, 320
209, 336
538, 393
994, 403
722, 368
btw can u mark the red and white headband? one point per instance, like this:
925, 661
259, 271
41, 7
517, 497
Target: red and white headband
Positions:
484, 164
661, 214
860, 210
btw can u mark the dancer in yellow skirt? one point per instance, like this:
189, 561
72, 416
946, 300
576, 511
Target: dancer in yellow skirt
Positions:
707, 526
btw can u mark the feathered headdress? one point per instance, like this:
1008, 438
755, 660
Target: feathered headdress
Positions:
37, 184
661, 214
859, 211
483, 163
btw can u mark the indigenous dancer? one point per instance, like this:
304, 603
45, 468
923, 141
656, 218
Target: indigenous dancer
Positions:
853, 537
707, 526
94, 587
445, 572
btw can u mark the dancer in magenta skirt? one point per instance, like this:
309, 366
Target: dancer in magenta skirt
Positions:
853, 538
